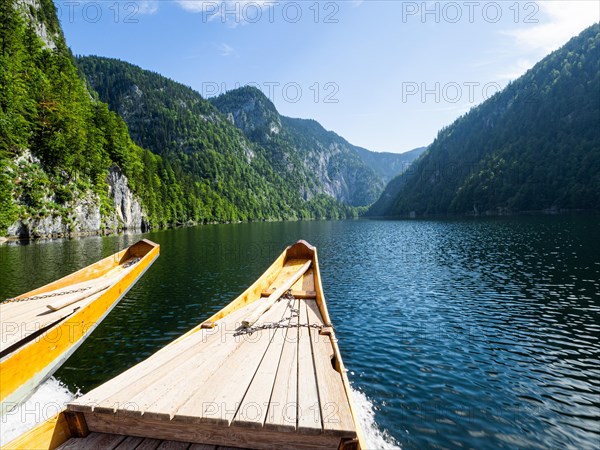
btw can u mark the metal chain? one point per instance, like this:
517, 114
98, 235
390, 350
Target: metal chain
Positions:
39, 297
61, 293
281, 323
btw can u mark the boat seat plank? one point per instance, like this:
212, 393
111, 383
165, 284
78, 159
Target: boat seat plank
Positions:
255, 405
93, 441
216, 400
203, 433
335, 409
282, 413
309, 411
23, 326
295, 293
122, 388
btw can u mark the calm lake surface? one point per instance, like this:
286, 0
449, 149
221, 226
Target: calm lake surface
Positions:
463, 333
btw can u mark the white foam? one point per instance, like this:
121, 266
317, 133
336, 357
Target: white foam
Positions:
375, 438
47, 401
52, 396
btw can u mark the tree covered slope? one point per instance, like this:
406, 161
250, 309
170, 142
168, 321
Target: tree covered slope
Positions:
57, 143
213, 157
533, 146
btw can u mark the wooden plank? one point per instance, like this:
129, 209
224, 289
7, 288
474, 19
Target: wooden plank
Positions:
206, 433
335, 407
308, 281
202, 447
282, 413
71, 444
130, 443
295, 293
173, 445
94, 441
217, 399
31, 322
119, 390
253, 409
149, 444
270, 301
309, 411
289, 268
67, 300
160, 394
36, 360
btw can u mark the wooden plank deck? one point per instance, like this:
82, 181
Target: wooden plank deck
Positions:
271, 388
21, 319
107, 441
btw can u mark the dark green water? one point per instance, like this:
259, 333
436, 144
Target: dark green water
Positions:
464, 333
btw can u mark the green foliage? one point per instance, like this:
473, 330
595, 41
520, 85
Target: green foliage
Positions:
533, 146
198, 168
207, 171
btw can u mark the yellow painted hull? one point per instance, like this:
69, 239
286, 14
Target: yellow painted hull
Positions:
57, 430
22, 370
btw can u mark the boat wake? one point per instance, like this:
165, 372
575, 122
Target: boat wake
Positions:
374, 437
47, 401
52, 396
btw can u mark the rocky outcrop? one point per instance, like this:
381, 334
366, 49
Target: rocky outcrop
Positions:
27, 8
80, 216
129, 212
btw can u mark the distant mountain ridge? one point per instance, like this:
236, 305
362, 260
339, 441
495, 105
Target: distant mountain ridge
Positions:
328, 162
389, 165
533, 146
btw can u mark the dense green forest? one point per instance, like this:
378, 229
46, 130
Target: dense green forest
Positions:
58, 142
533, 146
45, 107
230, 176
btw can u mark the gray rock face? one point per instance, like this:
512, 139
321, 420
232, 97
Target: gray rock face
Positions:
39, 26
128, 209
84, 216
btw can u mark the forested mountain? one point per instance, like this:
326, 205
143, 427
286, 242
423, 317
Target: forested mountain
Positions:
322, 161
533, 146
57, 145
227, 174
69, 164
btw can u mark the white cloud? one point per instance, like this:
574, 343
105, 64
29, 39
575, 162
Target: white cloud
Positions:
555, 23
146, 6
228, 9
558, 22
226, 50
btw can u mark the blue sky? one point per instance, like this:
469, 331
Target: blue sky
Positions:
386, 75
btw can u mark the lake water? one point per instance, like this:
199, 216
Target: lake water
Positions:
460, 333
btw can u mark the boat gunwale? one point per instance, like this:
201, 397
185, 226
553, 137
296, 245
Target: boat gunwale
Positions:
21, 384
244, 299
